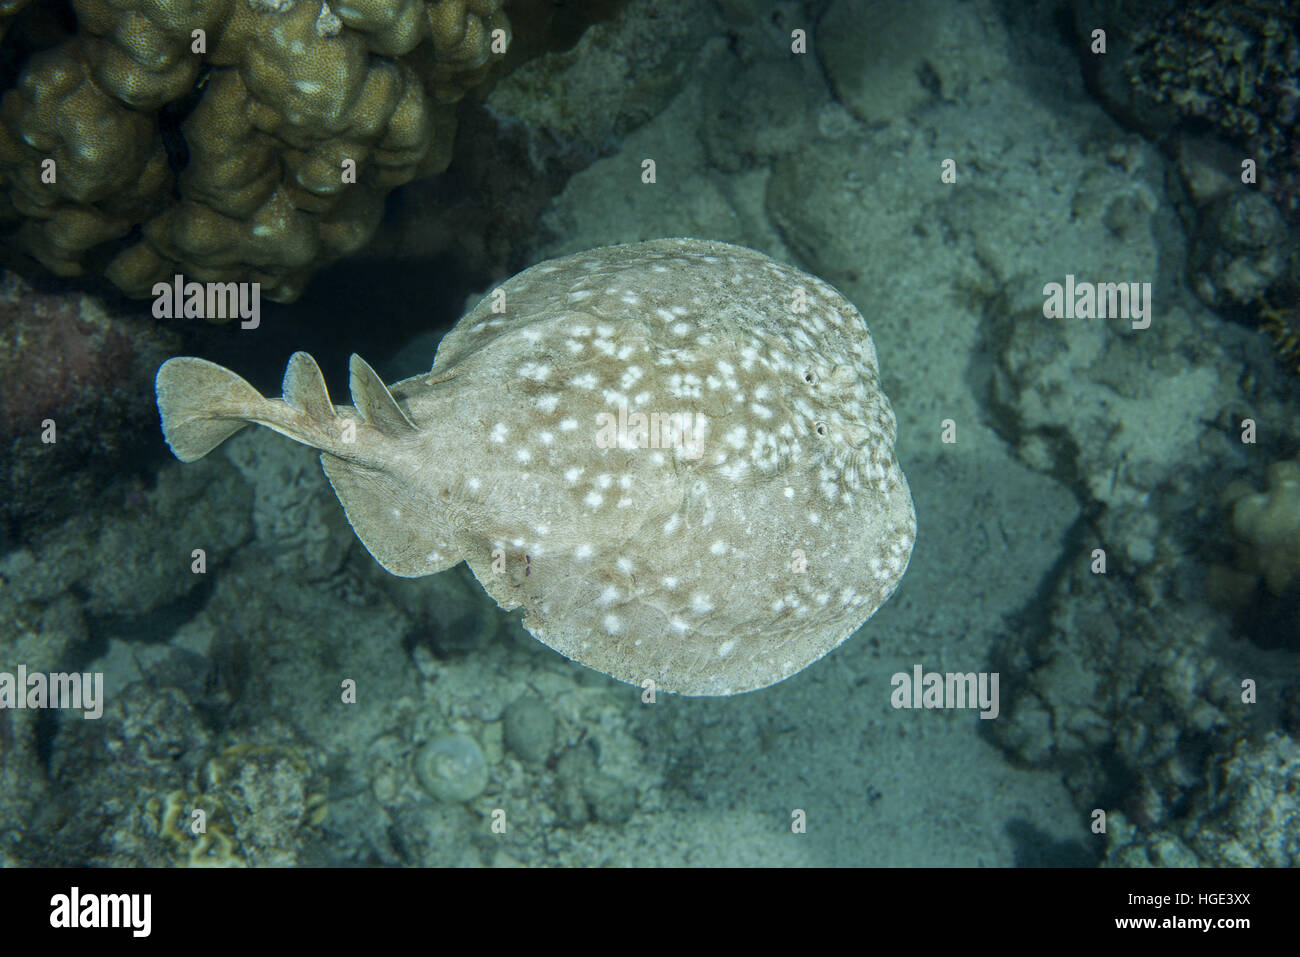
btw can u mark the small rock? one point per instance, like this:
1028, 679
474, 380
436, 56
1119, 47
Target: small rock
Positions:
452, 769
529, 730
569, 801
611, 800
584, 791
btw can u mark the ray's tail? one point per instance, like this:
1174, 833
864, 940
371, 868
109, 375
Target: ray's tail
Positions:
202, 404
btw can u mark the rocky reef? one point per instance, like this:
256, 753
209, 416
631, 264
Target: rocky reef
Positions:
1215, 83
1234, 65
1247, 815
73, 398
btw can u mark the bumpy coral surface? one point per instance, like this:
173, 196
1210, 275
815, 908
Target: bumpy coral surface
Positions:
1268, 524
217, 139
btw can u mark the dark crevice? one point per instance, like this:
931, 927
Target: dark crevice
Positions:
38, 26
155, 625
172, 117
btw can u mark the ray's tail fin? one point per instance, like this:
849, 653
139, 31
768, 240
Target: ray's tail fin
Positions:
202, 404
197, 400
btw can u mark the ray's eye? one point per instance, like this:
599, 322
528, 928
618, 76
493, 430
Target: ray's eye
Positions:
810, 377
820, 429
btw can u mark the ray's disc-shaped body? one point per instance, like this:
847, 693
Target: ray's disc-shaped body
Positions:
674, 455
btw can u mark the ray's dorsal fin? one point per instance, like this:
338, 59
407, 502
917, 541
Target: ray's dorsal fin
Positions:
373, 400
304, 389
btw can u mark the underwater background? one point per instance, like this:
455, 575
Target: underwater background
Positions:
1108, 513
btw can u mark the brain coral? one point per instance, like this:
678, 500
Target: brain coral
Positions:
212, 138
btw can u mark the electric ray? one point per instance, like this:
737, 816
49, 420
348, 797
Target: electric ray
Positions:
674, 455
